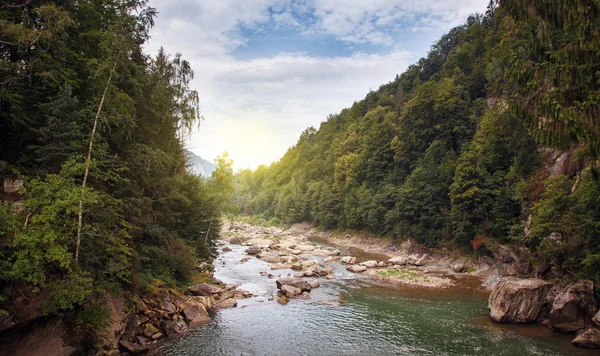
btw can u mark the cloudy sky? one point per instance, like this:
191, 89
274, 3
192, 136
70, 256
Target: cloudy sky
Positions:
267, 69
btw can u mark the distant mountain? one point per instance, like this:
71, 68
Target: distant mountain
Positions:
198, 165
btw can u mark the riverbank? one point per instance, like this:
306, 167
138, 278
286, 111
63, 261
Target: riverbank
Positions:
348, 313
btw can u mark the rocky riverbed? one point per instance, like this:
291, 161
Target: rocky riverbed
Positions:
321, 306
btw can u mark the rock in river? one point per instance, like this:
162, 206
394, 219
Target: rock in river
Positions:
517, 300
227, 303
133, 348
397, 261
196, 315
356, 269
294, 282
369, 264
574, 307
203, 289
290, 291
175, 328
349, 260
253, 250
588, 338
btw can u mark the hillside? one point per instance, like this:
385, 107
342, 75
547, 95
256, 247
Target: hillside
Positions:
491, 139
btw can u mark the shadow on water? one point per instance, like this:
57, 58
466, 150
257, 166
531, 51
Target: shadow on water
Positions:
353, 315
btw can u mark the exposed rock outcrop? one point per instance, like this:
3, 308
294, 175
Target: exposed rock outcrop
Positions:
574, 307
588, 338
517, 300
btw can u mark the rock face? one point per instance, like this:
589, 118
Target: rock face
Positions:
517, 300
574, 307
203, 289
588, 338
356, 269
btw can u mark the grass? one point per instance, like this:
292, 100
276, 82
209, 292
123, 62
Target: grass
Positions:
399, 273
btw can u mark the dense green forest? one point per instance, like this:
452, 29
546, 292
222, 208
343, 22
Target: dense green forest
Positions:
95, 129
461, 148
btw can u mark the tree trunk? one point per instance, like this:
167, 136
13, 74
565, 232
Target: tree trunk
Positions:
88, 162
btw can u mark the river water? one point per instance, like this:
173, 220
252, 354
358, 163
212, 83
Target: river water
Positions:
353, 315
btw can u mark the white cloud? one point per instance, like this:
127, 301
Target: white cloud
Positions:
257, 108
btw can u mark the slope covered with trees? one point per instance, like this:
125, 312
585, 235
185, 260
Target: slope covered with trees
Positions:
95, 129
491, 139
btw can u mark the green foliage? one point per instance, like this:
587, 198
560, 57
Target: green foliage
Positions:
143, 214
452, 150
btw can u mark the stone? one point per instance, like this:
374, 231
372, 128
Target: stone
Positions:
271, 259
290, 291
349, 260
516, 300
381, 264
203, 289
227, 303
150, 330
297, 266
574, 307
356, 269
314, 284
423, 260
588, 338
253, 250
596, 319
196, 315
175, 328
369, 264
459, 267
226, 249
133, 348
330, 259
305, 248
245, 259
397, 261
168, 306
294, 282
283, 300
158, 336
12, 185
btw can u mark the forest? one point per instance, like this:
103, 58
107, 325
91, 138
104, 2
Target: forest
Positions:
92, 131
491, 139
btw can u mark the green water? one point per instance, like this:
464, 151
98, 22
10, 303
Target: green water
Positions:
355, 316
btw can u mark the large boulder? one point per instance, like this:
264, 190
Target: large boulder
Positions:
423, 260
294, 282
369, 264
196, 315
574, 307
588, 338
203, 289
517, 300
356, 268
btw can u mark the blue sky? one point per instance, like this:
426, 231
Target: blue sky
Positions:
267, 69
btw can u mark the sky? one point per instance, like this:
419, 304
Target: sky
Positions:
265, 70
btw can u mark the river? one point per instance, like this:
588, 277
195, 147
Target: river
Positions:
354, 315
